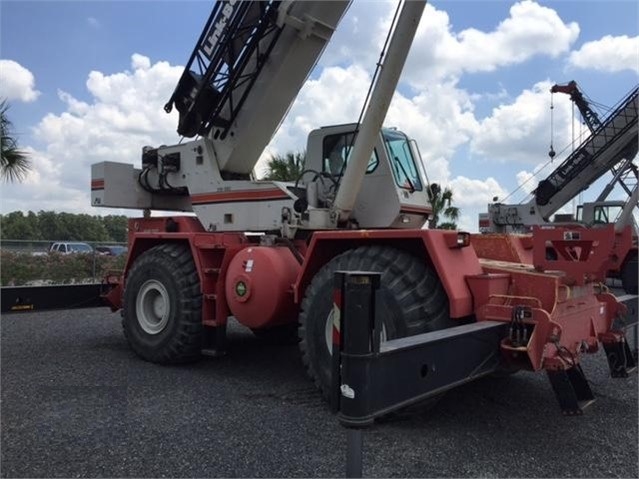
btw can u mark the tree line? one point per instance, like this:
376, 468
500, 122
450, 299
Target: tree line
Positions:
49, 225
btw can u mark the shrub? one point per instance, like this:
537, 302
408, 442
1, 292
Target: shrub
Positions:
19, 269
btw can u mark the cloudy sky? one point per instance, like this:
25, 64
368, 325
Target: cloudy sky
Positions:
87, 80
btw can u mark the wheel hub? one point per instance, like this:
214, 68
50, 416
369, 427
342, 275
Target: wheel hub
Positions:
152, 307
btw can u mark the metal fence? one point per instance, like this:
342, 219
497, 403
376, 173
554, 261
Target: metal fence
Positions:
33, 263
43, 246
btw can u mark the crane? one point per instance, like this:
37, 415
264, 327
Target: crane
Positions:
611, 147
266, 252
576, 96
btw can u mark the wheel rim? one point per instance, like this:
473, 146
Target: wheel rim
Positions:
152, 307
328, 330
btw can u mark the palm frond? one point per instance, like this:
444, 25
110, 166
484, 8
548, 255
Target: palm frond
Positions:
14, 162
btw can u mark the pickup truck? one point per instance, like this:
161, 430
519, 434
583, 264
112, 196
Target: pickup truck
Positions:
68, 247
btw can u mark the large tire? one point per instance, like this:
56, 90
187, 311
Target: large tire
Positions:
410, 301
629, 273
162, 318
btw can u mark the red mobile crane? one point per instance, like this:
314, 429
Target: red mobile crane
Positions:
360, 204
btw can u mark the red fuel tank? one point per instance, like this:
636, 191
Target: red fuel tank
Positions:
259, 286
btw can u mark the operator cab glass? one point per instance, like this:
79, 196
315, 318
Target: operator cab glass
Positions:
336, 149
401, 160
80, 248
601, 214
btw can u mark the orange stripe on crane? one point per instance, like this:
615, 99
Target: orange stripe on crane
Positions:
239, 195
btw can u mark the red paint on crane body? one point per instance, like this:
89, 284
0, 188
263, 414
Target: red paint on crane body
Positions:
567, 313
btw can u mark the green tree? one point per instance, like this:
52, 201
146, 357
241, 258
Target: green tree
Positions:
116, 226
47, 221
445, 214
285, 168
16, 225
49, 225
14, 163
80, 227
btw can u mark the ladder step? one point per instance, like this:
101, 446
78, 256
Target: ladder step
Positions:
212, 271
211, 246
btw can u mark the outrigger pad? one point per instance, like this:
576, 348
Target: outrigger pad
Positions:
572, 390
621, 359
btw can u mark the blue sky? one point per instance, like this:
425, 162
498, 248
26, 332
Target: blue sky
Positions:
480, 114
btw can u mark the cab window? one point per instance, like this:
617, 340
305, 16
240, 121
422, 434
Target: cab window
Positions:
336, 151
607, 214
402, 161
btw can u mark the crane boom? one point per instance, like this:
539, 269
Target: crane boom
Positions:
376, 112
613, 141
248, 66
611, 146
588, 114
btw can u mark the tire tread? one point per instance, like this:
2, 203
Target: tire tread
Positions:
412, 283
185, 345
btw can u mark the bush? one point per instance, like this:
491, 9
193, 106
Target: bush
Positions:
20, 269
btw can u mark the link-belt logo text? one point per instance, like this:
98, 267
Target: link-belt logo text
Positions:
216, 31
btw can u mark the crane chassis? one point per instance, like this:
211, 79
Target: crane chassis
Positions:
266, 253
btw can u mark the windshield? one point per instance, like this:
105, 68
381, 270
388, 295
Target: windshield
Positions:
607, 214
80, 248
402, 161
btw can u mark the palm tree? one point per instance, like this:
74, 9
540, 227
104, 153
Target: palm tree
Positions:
14, 163
441, 202
285, 168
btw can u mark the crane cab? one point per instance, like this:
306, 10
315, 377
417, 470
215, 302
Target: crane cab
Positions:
394, 192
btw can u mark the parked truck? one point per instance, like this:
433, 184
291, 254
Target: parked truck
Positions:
265, 252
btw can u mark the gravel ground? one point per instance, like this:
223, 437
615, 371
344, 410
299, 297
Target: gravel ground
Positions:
76, 402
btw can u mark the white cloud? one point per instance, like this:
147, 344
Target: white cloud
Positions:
93, 22
526, 181
473, 192
140, 62
608, 54
520, 131
125, 113
472, 197
18, 83
530, 30
439, 52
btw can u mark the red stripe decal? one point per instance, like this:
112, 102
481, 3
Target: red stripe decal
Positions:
336, 316
97, 184
416, 210
239, 195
